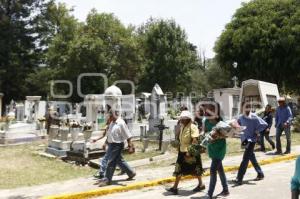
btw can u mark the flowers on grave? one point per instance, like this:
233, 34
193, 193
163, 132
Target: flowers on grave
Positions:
74, 124
88, 126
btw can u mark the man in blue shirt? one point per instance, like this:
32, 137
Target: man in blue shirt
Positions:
283, 121
254, 125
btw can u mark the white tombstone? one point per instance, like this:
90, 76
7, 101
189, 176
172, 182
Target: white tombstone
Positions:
229, 100
20, 112
157, 108
33, 108
113, 96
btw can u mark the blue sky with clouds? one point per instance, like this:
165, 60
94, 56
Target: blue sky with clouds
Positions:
203, 20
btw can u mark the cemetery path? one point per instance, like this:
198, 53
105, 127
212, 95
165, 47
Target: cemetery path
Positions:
143, 174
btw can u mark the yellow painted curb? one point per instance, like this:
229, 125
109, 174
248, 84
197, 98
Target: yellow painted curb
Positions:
140, 185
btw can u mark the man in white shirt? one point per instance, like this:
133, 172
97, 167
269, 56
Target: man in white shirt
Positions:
117, 134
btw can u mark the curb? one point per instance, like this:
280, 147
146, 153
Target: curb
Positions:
141, 185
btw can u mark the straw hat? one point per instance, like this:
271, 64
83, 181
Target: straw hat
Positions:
281, 99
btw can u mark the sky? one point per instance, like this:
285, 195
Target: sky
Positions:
203, 20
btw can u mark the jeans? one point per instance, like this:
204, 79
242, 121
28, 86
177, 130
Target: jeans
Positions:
287, 131
216, 166
263, 135
248, 156
115, 158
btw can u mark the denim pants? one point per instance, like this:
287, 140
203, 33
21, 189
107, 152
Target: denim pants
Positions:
248, 156
216, 166
287, 132
115, 158
263, 135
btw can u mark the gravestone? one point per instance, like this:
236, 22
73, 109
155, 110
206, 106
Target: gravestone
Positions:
157, 108
20, 112
33, 108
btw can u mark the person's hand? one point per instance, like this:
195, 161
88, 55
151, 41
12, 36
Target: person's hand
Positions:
188, 154
268, 130
286, 125
104, 147
131, 148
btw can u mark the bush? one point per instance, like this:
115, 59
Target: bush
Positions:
297, 124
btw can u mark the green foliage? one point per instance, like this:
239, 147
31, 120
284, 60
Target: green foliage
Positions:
210, 77
264, 38
101, 45
297, 124
168, 56
18, 52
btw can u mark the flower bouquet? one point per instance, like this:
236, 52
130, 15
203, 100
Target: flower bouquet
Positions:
223, 130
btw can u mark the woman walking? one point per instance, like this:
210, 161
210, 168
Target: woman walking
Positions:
268, 118
187, 164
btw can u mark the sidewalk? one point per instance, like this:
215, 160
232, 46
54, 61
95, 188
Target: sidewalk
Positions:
86, 184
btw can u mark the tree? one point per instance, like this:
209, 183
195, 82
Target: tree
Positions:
212, 76
264, 38
56, 28
18, 54
100, 45
168, 56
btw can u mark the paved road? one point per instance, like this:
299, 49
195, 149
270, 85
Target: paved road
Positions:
274, 186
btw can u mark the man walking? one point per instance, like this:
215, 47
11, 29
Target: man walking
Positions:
254, 125
117, 134
283, 121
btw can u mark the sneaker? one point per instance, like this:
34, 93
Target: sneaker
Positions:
131, 176
172, 190
259, 177
278, 153
199, 188
99, 175
208, 197
224, 193
103, 182
287, 152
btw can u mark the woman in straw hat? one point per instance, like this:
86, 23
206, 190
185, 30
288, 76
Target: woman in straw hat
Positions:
187, 164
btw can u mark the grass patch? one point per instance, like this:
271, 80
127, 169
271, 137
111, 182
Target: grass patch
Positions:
21, 166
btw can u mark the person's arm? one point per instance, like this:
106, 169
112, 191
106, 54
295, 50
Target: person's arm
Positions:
290, 116
101, 137
270, 122
276, 117
260, 124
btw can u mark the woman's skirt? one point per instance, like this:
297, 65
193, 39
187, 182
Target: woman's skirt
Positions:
188, 165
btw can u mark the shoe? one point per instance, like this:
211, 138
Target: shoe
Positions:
208, 197
273, 146
278, 153
224, 193
173, 190
237, 182
199, 188
259, 177
103, 182
99, 175
131, 176
287, 152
